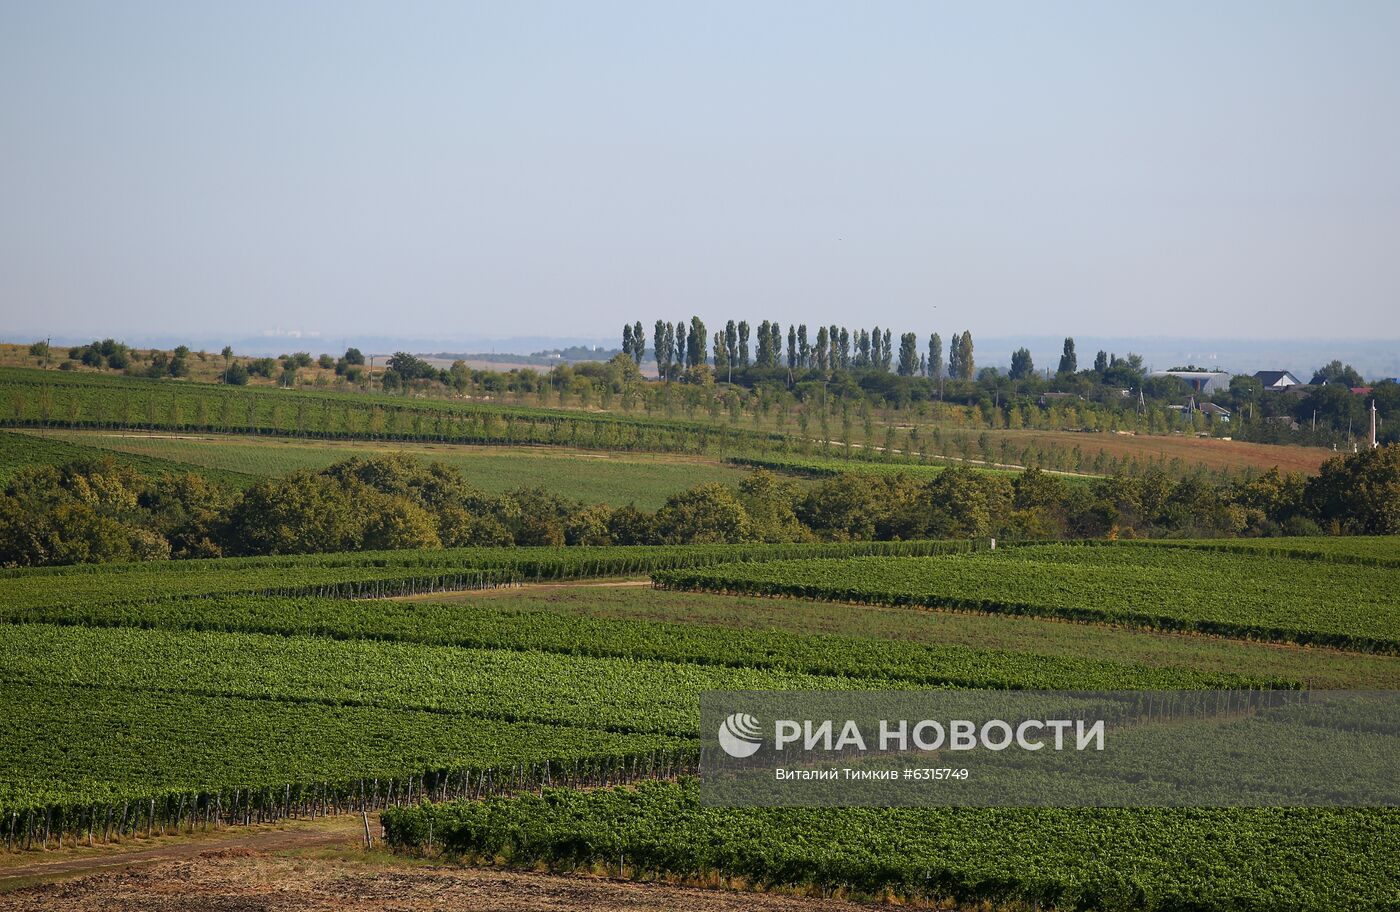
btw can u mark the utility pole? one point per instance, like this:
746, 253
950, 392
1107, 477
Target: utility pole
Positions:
1373, 424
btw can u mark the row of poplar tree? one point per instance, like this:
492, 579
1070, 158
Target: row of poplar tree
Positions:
678, 347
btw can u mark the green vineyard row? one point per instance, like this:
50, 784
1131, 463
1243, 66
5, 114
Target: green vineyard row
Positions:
627, 695
1170, 860
18, 451
95, 764
44, 399
1256, 595
1365, 551
484, 627
379, 573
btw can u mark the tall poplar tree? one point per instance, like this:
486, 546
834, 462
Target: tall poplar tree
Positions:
731, 347
1069, 361
658, 347
908, 354
1021, 364
695, 343
764, 356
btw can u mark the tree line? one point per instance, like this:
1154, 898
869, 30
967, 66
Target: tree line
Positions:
98, 511
682, 347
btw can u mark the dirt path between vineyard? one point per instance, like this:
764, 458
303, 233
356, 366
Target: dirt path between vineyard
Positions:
517, 588
322, 865
20, 868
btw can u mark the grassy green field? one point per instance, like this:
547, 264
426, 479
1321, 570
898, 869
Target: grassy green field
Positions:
613, 478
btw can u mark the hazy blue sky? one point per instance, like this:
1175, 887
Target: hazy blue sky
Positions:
1184, 168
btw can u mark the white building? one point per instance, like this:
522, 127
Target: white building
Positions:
1276, 381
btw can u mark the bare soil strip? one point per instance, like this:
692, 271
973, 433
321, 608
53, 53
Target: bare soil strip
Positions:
22, 868
321, 867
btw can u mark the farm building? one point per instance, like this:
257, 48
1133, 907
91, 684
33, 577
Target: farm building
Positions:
1276, 381
1204, 382
1215, 412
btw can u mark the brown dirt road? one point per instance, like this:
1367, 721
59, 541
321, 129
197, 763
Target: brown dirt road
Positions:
318, 865
20, 869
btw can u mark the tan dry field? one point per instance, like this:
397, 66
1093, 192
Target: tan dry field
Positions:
1212, 453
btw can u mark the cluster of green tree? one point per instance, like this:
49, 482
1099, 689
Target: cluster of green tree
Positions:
1336, 373
174, 364
1328, 412
350, 365
99, 511
110, 353
587, 379
1352, 495
107, 353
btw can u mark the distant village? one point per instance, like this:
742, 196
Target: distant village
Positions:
1205, 384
